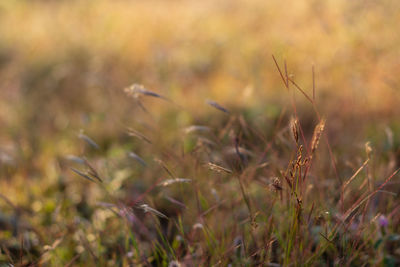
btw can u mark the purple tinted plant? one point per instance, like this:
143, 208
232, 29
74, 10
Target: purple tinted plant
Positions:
383, 221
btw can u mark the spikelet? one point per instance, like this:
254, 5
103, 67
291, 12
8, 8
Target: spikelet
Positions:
147, 209
173, 181
317, 135
134, 133
217, 168
368, 149
276, 184
196, 128
217, 106
88, 140
135, 90
136, 157
294, 124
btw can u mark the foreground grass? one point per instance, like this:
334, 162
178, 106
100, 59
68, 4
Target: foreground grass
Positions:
223, 189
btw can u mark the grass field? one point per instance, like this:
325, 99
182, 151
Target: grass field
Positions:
199, 133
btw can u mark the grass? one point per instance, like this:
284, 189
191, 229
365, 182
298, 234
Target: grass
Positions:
164, 134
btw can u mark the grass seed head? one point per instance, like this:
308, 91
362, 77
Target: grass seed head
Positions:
217, 106
294, 124
217, 168
135, 90
317, 135
368, 149
174, 181
277, 185
147, 209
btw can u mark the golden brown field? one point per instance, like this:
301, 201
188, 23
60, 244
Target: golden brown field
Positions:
199, 133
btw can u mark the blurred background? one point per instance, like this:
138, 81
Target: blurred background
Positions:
61, 60
64, 65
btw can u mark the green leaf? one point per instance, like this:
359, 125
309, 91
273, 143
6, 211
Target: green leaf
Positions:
378, 243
